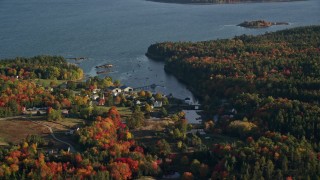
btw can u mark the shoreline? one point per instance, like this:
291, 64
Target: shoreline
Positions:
167, 70
203, 2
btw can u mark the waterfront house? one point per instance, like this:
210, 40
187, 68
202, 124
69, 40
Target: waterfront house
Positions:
126, 89
115, 91
187, 100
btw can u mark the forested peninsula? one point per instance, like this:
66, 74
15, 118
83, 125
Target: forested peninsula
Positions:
252, 86
220, 1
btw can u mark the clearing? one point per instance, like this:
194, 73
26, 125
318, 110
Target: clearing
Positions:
17, 129
149, 133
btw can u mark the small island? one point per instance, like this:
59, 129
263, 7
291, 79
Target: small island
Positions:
260, 24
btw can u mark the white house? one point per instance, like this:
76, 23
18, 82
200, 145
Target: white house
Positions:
138, 102
126, 89
234, 111
115, 91
65, 111
187, 100
157, 104
94, 97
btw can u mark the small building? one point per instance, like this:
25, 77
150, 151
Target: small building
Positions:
126, 89
94, 97
49, 89
115, 91
65, 111
157, 104
138, 102
234, 111
187, 100
95, 91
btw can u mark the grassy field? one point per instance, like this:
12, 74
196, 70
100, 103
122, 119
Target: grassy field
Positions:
60, 129
16, 130
65, 124
147, 133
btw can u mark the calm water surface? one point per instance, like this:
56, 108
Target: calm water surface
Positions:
120, 31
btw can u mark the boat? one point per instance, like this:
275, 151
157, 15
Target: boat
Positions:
105, 66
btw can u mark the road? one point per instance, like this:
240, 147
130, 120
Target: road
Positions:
72, 149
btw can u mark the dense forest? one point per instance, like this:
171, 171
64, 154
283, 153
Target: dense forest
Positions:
42, 67
255, 88
281, 64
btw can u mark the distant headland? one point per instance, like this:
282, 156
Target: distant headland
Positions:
219, 1
260, 24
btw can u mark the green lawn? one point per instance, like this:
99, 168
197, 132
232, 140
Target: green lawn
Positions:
71, 122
